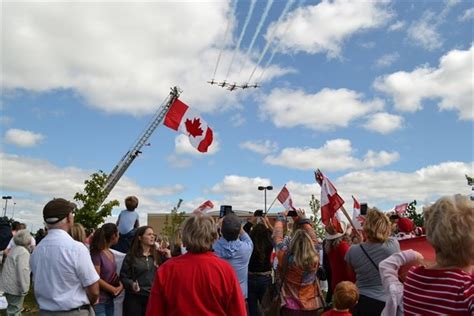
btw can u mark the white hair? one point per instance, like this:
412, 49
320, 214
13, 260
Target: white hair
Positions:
22, 238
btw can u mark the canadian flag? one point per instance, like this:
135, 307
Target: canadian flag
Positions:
330, 199
401, 209
285, 199
204, 207
181, 117
357, 219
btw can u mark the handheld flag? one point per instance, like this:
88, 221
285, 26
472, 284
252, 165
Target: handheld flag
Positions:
357, 219
285, 199
330, 199
204, 207
181, 117
401, 209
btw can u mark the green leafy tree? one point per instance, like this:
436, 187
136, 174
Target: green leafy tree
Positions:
315, 205
173, 222
91, 213
417, 218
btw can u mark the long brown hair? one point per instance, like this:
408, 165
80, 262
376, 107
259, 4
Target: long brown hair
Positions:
302, 249
136, 250
102, 236
262, 240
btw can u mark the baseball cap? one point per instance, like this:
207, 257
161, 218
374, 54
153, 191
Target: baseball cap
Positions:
57, 209
230, 227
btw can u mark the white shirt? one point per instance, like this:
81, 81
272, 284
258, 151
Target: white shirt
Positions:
62, 269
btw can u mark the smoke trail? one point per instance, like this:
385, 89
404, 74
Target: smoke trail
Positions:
275, 49
257, 31
283, 13
225, 37
244, 28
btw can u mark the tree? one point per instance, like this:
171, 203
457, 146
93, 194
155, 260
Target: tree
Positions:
315, 205
91, 213
173, 222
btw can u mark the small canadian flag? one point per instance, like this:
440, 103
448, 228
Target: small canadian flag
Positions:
181, 117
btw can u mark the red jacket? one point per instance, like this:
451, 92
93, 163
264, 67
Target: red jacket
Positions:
196, 284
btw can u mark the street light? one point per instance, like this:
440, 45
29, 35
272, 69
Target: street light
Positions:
6, 198
264, 189
13, 212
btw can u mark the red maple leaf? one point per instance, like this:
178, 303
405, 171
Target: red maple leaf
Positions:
194, 127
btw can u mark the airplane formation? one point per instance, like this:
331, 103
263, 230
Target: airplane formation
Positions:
232, 86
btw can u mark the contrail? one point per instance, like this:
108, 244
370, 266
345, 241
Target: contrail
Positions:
242, 33
257, 31
275, 49
285, 10
225, 37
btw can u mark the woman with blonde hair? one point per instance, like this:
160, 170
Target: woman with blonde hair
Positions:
297, 266
78, 233
364, 259
447, 288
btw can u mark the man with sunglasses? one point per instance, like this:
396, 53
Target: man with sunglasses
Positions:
65, 280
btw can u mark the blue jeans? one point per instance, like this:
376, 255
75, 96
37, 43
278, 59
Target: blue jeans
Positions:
104, 309
257, 286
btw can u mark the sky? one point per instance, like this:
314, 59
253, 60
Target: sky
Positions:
376, 94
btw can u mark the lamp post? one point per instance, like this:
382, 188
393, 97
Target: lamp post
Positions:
13, 212
6, 198
264, 189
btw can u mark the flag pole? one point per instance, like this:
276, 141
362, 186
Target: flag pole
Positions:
274, 200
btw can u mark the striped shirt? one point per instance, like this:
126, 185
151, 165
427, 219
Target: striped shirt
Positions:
438, 292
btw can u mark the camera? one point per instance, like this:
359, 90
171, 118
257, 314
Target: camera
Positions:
363, 209
292, 213
225, 209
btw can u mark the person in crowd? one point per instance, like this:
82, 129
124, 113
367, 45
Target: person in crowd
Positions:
235, 246
40, 235
345, 297
197, 282
297, 266
138, 271
447, 288
15, 277
364, 259
78, 233
391, 281
127, 224
5, 235
68, 284
336, 246
260, 266
16, 226
105, 265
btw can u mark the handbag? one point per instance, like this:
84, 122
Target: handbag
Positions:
271, 300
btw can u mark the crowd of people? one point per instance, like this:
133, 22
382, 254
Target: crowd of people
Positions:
226, 267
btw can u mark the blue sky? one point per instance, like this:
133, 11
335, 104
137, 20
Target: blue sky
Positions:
378, 95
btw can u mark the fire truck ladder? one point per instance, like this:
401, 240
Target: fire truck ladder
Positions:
134, 151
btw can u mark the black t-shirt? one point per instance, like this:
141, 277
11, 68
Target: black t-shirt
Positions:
255, 265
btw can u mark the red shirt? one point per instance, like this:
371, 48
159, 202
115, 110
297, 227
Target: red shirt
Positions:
196, 284
339, 269
333, 312
438, 292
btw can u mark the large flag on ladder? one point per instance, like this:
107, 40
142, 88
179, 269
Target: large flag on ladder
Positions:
204, 207
181, 117
357, 219
330, 199
285, 199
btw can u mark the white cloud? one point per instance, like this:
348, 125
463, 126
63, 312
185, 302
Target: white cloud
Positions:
23, 138
335, 155
237, 120
467, 15
398, 25
263, 147
93, 48
37, 181
177, 162
323, 28
387, 60
384, 123
327, 109
424, 32
183, 146
451, 82
425, 184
